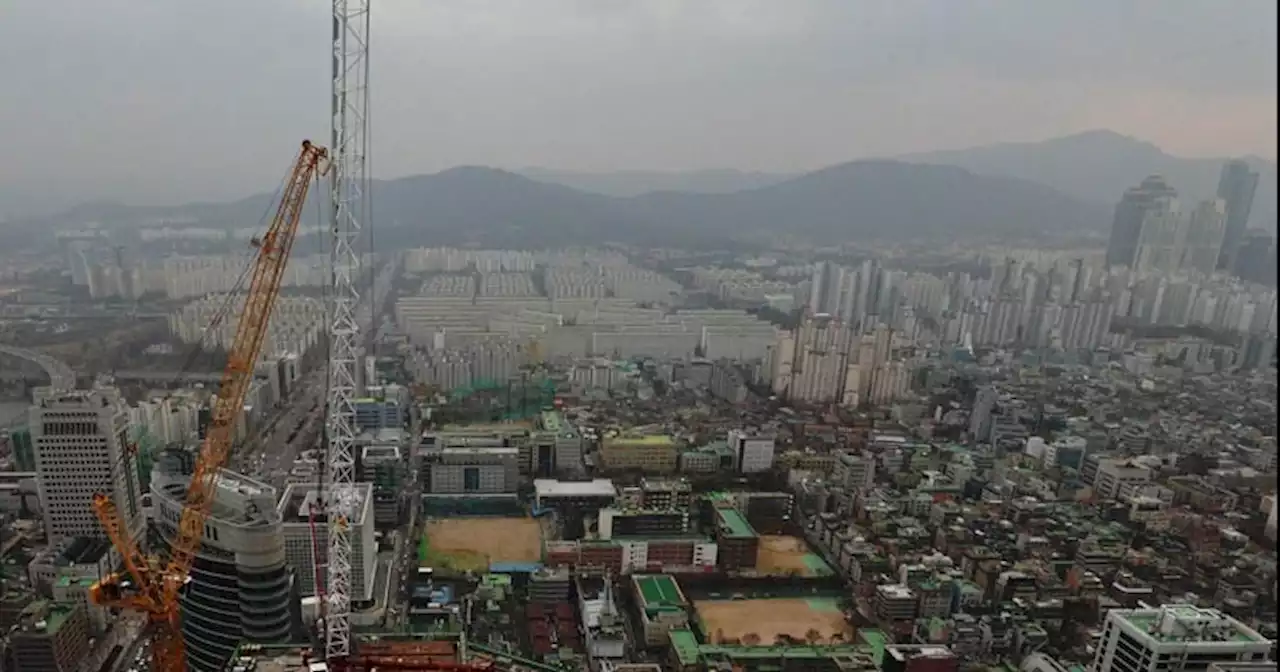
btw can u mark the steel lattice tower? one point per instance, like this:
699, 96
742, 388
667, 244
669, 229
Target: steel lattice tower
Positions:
349, 206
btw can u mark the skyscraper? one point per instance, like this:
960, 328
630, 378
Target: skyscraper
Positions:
1204, 235
80, 443
241, 589
1132, 210
1256, 258
1236, 187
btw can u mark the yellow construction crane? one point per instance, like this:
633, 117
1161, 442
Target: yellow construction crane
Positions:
153, 585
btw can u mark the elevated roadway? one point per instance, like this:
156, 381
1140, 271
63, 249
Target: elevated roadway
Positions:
60, 375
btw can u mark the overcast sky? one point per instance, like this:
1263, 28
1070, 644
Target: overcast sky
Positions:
161, 101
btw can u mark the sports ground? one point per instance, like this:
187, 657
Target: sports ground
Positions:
767, 618
782, 555
475, 543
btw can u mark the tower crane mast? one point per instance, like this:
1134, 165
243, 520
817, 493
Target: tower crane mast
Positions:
155, 585
349, 207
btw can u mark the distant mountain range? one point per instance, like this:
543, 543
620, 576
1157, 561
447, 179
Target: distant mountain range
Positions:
639, 182
858, 200
1067, 185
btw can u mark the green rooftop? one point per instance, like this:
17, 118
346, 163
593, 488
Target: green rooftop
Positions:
685, 644
737, 526
659, 590
876, 640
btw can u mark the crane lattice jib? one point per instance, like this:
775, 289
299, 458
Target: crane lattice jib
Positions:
251, 330
156, 593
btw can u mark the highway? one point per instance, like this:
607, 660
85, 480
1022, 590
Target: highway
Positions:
269, 456
60, 375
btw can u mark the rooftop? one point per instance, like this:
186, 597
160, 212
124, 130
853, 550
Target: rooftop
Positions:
734, 524
659, 590
642, 441
300, 497
45, 617
685, 644
549, 487
1188, 623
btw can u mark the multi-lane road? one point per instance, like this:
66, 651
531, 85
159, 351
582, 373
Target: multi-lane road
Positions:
269, 456
60, 375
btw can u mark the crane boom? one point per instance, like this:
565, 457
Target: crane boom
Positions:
156, 591
264, 286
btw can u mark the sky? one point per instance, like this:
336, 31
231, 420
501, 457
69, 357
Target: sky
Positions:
168, 101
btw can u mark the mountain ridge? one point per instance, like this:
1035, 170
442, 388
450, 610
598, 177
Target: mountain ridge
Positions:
855, 200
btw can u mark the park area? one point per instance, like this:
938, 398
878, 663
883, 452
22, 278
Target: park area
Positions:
761, 622
781, 555
473, 544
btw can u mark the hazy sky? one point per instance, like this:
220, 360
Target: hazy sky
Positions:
152, 101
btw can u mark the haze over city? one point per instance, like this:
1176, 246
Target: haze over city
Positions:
588, 85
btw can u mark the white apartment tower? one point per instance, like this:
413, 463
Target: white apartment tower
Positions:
80, 440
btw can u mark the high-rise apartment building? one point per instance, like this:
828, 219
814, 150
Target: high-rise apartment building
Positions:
1174, 638
1153, 194
1236, 187
80, 441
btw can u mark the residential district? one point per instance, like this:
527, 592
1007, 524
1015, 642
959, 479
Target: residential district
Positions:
899, 459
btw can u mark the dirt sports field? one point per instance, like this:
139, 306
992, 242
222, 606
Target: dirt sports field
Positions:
782, 555
486, 540
733, 619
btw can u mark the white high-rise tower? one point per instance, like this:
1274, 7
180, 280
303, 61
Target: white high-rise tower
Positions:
80, 444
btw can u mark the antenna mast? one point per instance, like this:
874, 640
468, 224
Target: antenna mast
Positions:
349, 109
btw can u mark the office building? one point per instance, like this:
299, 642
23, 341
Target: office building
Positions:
80, 441
622, 523
301, 504
754, 452
650, 454
1153, 195
241, 589
50, 637
474, 465
1174, 638
382, 465
1236, 187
